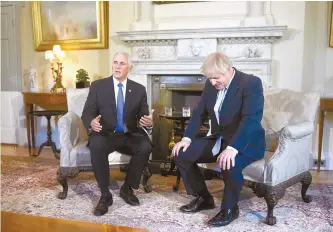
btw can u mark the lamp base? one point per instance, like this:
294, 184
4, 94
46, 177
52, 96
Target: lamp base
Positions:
58, 87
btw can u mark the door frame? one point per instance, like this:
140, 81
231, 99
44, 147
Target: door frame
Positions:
20, 130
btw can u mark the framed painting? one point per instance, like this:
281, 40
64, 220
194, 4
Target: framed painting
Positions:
72, 25
331, 27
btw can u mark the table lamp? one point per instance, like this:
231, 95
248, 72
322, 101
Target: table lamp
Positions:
55, 57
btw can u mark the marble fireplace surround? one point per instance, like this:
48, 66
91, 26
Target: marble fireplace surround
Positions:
181, 51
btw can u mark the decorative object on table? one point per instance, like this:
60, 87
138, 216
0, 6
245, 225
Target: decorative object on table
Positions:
56, 56
168, 110
96, 77
73, 27
82, 79
32, 79
186, 111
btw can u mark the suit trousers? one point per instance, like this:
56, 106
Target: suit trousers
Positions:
102, 144
200, 151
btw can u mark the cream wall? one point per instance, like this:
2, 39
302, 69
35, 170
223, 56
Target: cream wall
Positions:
96, 62
301, 60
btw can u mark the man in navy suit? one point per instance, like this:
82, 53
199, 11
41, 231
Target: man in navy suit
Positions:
111, 114
234, 102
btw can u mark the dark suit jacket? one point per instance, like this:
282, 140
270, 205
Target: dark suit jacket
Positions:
101, 101
240, 115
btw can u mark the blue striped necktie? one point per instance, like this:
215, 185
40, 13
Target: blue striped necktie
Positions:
120, 110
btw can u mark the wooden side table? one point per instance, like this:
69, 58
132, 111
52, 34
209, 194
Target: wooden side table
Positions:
47, 101
326, 105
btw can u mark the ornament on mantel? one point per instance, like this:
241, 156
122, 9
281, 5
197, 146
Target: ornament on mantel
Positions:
32, 79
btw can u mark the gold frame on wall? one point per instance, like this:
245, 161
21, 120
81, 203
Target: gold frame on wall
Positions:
331, 28
100, 42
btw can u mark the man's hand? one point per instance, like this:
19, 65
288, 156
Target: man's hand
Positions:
95, 125
183, 143
147, 120
226, 159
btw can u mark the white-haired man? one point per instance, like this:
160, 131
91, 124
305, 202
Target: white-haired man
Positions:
113, 108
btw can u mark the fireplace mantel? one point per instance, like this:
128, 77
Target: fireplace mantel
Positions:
181, 52
265, 34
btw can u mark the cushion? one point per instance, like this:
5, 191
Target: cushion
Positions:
273, 122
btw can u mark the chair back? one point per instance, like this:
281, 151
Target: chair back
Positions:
76, 98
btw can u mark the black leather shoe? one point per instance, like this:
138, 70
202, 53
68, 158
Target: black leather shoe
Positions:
198, 204
224, 217
105, 201
126, 193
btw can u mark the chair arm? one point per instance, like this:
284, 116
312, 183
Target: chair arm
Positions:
292, 156
297, 131
68, 135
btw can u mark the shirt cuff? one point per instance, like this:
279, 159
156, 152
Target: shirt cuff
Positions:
231, 148
187, 139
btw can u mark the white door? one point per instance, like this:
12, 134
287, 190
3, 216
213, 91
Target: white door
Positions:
12, 111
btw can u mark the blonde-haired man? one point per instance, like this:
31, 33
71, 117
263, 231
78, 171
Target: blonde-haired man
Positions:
234, 102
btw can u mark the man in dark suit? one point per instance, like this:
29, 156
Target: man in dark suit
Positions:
111, 114
234, 102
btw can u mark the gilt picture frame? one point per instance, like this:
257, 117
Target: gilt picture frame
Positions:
331, 28
72, 25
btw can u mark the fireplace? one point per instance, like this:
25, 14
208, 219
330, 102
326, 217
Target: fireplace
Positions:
174, 91
167, 63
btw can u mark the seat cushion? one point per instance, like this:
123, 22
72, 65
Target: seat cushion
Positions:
80, 156
253, 172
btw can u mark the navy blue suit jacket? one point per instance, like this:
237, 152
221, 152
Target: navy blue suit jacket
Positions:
101, 101
240, 115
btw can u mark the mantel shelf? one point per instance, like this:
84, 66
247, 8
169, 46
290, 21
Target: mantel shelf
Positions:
223, 33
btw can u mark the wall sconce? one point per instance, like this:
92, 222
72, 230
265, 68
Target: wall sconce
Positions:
56, 56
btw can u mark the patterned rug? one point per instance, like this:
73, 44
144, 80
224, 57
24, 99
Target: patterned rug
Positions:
29, 186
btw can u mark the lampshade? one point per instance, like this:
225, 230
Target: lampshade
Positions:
56, 48
49, 55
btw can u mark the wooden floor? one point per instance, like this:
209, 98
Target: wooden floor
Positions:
20, 222
13, 222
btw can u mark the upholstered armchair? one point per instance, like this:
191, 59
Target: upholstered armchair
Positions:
75, 155
288, 121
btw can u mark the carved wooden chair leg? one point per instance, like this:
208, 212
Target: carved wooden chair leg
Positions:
62, 175
176, 186
145, 177
272, 196
306, 182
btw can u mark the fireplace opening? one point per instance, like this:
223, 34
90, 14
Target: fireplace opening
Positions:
175, 92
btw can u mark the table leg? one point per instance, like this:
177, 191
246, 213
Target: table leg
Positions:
320, 138
27, 108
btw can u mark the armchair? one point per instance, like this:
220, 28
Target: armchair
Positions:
288, 121
75, 155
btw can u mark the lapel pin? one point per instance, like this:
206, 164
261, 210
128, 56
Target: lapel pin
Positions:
129, 90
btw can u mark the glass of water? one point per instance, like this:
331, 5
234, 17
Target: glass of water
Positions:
186, 111
168, 111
